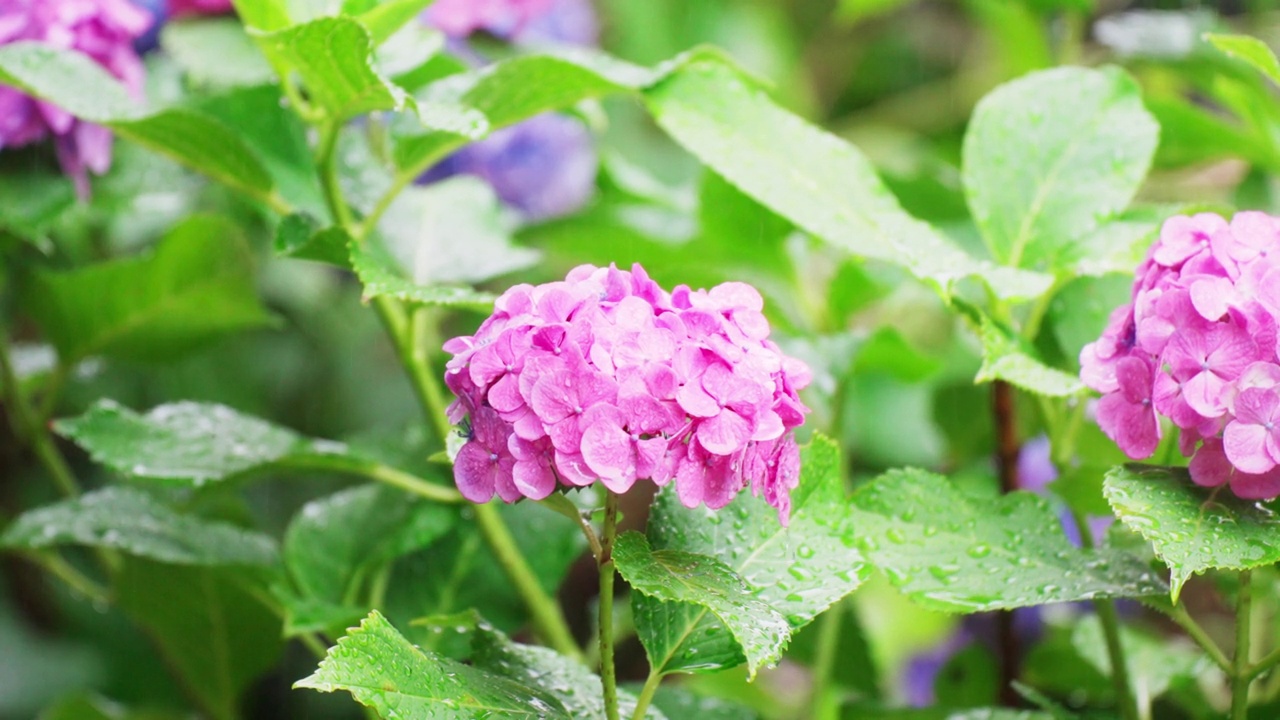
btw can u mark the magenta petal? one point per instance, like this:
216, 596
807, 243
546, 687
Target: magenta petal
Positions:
607, 451
695, 401
1245, 446
533, 479
473, 471
1205, 394
724, 434
1210, 296
1210, 466
1256, 487
768, 427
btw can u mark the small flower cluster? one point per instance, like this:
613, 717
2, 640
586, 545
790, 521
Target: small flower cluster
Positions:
102, 29
1197, 345
607, 376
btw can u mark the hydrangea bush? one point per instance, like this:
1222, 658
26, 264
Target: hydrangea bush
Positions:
288, 404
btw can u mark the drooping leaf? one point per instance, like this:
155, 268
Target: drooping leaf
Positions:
184, 442
335, 541
83, 88
798, 570
299, 237
959, 553
384, 671
1051, 156
134, 522
333, 58
1193, 528
380, 276
196, 286
215, 53
1250, 50
578, 689
1005, 357
814, 179
208, 624
700, 582
452, 232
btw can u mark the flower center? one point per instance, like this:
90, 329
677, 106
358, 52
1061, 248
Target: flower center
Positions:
493, 457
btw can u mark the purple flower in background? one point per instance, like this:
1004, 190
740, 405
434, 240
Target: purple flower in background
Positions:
572, 382
1198, 345
105, 31
544, 167
178, 8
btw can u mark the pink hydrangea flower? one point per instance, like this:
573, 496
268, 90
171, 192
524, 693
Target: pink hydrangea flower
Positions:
178, 8
104, 30
607, 377
1198, 345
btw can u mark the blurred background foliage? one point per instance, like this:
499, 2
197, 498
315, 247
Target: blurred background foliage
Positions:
893, 368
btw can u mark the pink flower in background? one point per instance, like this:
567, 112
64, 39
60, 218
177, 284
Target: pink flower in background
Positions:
104, 30
178, 8
1197, 345
608, 377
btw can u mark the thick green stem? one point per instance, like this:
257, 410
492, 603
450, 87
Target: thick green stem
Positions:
608, 673
1184, 620
1240, 669
548, 621
29, 427
1271, 660
651, 684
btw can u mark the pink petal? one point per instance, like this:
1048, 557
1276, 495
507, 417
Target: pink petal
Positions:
695, 401
1210, 466
1256, 487
608, 451
534, 480
473, 471
1205, 393
1245, 446
724, 434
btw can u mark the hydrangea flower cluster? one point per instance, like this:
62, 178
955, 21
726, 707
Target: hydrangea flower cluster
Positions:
544, 167
102, 29
606, 376
1198, 345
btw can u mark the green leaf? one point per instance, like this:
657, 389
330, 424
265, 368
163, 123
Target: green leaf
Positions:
333, 542
384, 19
814, 179
35, 196
1051, 156
452, 232
1005, 357
264, 15
83, 88
380, 277
576, 688
1193, 528
384, 671
298, 236
677, 702
1250, 50
333, 58
210, 626
196, 286
216, 53
184, 442
675, 576
959, 553
798, 571
134, 522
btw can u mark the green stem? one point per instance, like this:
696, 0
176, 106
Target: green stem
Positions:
608, 673
1184, 620
1240, 670
651, 684
326, 161
548, 621
52, 391
28, 426
1266, 663
312, 642
824, 660
374, 471
402, 325
1106, 611
76, 580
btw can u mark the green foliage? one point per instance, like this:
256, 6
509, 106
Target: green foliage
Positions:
196, 286
960, 553
1249, 50
798, 571
817, 181
1192, 528
216, 52
384, 671
1051, 157
1006, 358
183, 443
134, 522
705, 583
